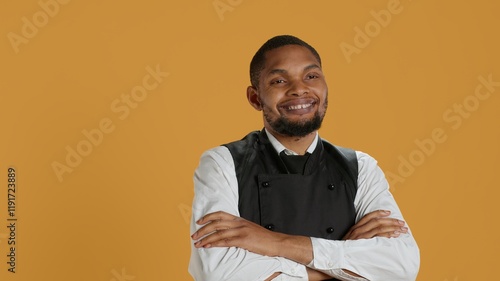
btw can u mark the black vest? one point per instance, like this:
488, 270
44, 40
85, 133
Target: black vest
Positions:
319, 203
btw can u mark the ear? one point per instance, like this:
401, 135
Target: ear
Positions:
253, 98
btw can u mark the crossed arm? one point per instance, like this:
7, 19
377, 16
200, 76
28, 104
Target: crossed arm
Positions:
227, 247
225, 230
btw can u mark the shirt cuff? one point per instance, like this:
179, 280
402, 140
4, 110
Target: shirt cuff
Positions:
344, 276
330, 258
291, 270
327, 256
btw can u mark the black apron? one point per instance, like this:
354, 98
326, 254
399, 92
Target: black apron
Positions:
318, 203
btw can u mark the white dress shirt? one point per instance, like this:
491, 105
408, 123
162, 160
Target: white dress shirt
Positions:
379, 258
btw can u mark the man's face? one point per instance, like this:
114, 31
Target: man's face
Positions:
292, 92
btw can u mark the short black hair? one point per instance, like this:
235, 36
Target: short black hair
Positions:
258, 60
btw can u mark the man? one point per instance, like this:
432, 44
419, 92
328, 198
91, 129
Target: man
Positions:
283, 204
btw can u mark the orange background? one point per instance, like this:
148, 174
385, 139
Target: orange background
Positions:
125, 208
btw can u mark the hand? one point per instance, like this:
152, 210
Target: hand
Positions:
376, 224
225, 230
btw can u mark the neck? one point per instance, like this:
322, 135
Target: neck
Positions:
296, 144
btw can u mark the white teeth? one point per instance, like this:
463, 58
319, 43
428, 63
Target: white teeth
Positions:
299, 106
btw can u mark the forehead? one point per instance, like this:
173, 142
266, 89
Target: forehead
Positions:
289, 56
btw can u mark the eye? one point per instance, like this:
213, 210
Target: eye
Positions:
312, 76
278, 81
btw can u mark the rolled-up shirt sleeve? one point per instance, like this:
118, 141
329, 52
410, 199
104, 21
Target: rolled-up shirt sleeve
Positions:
377, 258
216, 189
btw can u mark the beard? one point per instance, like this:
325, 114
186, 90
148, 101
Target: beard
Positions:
286, 127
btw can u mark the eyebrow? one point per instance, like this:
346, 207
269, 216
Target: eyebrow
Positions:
279, 70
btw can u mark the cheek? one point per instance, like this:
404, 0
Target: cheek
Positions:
270, 109
323, 94
321, 88
269, 103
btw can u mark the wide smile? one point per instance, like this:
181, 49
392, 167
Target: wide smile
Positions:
298, 106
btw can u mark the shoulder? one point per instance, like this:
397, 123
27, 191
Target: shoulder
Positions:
218, 153
347, 152
249, 139
365, 161
224, 155
217, 157
371, 178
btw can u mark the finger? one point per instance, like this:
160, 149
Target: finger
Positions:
375, 226
381, 231
378, 214
390, 234
214, 226
370, 216
347, 236
397, 233
377, 222
385, 231
220, 215
393, 234
219, 238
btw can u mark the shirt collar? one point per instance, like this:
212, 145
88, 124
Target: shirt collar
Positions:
279, 147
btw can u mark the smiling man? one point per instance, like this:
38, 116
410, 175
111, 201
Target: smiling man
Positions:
284, 204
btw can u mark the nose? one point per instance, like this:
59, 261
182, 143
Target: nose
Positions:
298, 88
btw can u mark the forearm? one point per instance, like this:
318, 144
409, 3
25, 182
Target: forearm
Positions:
238, 264
296, 248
